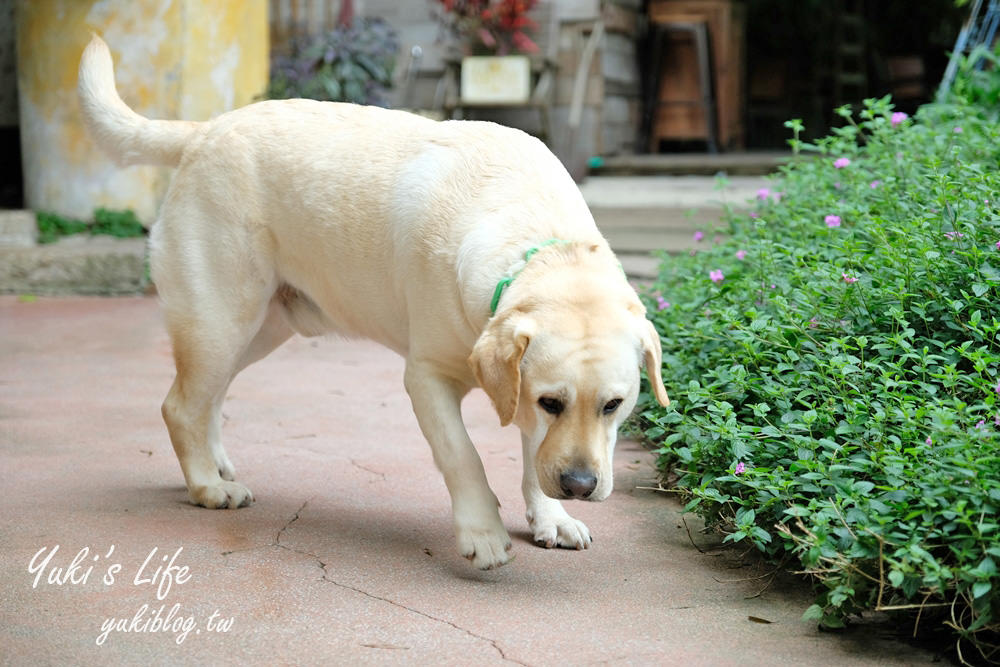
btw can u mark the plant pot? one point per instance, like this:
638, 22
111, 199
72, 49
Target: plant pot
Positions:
496, 80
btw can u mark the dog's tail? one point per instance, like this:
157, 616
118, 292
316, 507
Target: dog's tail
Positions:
122, 133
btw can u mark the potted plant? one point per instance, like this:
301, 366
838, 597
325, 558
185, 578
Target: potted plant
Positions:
493, 38
351, 63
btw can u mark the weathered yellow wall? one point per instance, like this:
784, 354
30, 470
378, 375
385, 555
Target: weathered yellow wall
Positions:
184, 59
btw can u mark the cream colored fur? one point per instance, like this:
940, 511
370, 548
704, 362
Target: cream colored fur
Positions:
316, 218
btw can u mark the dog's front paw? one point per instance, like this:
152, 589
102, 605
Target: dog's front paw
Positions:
221, 495
487, 548
558, 529
227, 470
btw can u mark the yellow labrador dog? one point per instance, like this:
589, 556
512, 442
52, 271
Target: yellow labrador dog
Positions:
463, 246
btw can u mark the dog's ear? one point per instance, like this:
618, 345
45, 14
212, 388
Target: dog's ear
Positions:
496, 361
653, 355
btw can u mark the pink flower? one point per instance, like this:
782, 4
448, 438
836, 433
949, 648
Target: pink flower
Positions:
875, 184
928, 441
898, 118
997, 388
754, 214
849, 279
716, 276
740, 468
773, 286
957, 130
838, 185
661, 303
996, 420
699, 235
980, 423
832, 220
998, 245
951, 236
741, 254
763, 194
813, 322
842, 162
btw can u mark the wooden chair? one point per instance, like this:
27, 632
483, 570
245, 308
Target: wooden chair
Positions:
543, 64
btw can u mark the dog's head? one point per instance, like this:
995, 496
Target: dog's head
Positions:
565, 369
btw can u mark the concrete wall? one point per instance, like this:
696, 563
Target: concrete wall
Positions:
185, 59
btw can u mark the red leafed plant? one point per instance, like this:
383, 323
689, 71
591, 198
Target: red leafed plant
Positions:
490, 27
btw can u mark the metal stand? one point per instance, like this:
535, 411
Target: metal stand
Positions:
979, 30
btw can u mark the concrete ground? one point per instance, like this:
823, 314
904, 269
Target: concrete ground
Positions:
347, 557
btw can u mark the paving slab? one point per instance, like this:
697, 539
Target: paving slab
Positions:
347, 556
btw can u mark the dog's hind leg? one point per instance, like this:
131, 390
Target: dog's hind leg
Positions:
272, 333
219, 320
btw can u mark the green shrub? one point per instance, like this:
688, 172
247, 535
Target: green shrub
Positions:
836, 366
52, 227
120, 224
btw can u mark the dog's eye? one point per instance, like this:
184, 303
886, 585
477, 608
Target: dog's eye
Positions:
612, 405
551, 405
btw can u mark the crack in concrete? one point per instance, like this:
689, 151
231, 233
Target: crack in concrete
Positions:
369, 470
492, 642
325, 577
295, 517
276, 542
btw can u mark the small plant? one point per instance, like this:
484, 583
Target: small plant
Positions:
52, 227
351, 63
120, 224
836, 362
489, 27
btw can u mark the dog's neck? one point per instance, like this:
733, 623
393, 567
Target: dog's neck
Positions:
547, 259
515, 271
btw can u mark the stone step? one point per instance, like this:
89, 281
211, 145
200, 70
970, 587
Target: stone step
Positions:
75, 265
18, 229
754, 163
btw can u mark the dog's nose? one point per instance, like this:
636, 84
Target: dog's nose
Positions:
578, 483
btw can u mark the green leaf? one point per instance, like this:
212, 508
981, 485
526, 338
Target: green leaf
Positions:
813, 613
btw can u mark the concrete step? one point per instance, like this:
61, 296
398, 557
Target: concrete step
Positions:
642, 214
75, 265
669, 192
754, 163
18, 229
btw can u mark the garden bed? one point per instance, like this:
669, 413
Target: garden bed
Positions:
836, 370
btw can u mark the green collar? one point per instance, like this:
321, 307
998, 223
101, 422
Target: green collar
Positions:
505, 282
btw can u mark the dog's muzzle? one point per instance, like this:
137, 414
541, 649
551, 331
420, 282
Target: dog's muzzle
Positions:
578, 483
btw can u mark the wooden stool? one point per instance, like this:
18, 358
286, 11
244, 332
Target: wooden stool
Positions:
656, 126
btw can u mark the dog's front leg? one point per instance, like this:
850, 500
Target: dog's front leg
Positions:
550, 524
437, 403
